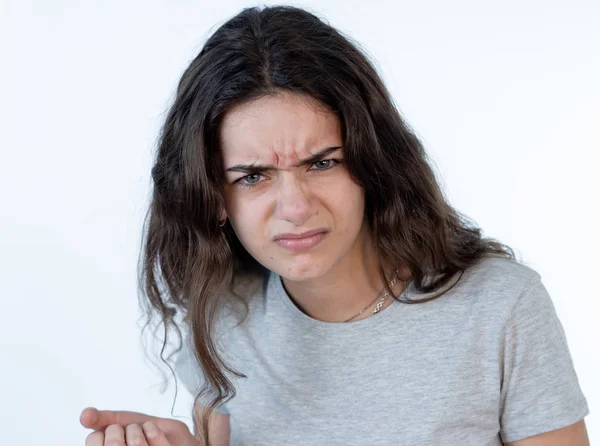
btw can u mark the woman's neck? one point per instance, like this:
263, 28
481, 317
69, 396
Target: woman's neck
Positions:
347, 288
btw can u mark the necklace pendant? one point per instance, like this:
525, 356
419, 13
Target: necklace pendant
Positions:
379, 305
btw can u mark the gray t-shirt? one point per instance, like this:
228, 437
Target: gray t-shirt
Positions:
486, 363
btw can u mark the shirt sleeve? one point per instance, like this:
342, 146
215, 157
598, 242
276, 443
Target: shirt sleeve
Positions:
540, 390
190, 374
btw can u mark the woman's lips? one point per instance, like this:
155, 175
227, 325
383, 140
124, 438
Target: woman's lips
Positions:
300, 244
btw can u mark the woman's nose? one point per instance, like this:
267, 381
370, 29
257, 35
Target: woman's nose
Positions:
294, 201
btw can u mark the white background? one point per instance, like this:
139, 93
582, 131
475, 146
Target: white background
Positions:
505, 95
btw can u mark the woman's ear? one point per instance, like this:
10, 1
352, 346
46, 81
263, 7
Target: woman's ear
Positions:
222, 218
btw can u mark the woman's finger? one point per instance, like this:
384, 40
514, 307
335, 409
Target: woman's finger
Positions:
134, 435
93, 418
154, 435
114, 435
95, 439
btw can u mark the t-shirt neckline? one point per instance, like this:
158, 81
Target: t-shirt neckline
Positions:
308, 322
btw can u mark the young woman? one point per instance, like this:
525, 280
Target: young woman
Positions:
328, 292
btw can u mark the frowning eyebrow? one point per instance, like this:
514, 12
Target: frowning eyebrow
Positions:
257, 168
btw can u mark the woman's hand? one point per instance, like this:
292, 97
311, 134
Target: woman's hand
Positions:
123, 428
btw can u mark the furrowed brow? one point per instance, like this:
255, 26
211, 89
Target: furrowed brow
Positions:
258, 168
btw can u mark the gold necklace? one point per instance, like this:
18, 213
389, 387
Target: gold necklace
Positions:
383, 297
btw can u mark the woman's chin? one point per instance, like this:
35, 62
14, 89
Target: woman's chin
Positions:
300, 272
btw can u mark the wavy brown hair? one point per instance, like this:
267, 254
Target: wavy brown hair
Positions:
190, 265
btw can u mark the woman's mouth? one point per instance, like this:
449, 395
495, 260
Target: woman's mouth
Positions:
300, 242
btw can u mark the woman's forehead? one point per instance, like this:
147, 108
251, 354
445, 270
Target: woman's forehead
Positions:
278, 131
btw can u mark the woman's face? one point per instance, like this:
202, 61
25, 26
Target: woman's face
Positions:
285, 176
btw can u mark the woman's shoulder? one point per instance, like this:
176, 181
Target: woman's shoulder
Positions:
488, 276
497, 283
500, 271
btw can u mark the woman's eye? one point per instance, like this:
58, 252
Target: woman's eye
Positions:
251, 179
254, 179
325, 164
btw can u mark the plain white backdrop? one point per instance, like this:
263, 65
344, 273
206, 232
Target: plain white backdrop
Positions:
505, 96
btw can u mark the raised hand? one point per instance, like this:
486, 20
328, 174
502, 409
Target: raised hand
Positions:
124, 428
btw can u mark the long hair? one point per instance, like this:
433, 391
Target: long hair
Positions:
190, 264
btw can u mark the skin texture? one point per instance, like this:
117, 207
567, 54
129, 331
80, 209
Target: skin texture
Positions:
120, 428
294, 197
